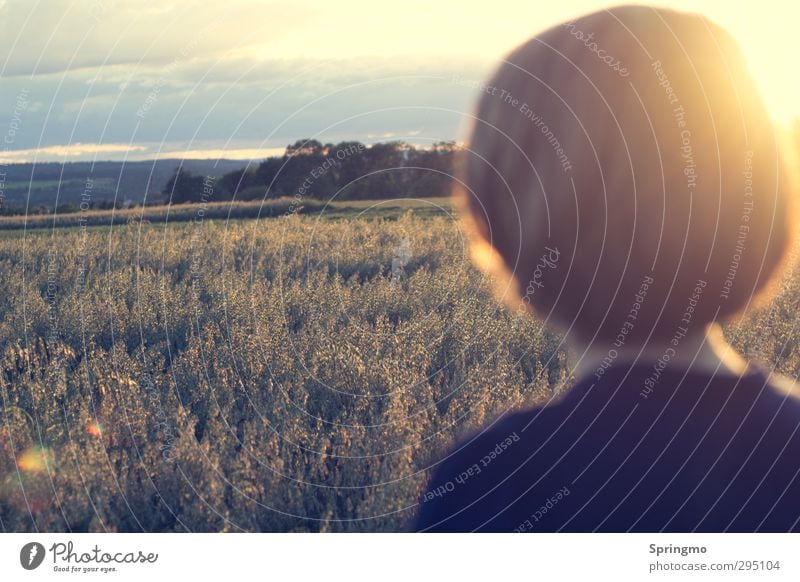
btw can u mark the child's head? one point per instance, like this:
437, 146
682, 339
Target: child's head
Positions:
623, 171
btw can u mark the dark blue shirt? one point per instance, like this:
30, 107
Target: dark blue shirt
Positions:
634, 451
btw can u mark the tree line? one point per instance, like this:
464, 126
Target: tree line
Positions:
349, 170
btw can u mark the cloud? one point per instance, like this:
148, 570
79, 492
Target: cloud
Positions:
214, 154
242, 103
180, 75
224, 77
59, 152
64, 35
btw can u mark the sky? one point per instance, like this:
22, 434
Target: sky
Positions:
127, 79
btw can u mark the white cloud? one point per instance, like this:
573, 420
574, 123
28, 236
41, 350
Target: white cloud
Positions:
60, 35
263, 74
75, 150
226, 153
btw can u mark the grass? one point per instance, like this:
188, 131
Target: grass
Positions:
256, 375
227, 211
294, 374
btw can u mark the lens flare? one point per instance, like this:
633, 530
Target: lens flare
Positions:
95, 429
35, 459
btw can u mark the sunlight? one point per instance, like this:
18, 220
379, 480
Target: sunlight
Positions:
486, 31
765, 37
35, 459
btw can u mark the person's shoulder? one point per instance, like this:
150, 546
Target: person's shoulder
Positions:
778, 399
779, 385
500, 443
472, 480
786, 395
784, 386
511, 427
465, 482
531, 425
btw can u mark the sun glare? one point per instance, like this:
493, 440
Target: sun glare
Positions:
771, 59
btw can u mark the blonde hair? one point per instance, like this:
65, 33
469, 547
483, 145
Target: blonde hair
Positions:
622, 168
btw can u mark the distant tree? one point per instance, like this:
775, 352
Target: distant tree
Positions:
267, 172
183, 187
301, 170
233, 183
66, 208
316, 170
353, 165
11, 210
304, 147
384, 176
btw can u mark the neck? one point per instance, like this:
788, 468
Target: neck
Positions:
707, 352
